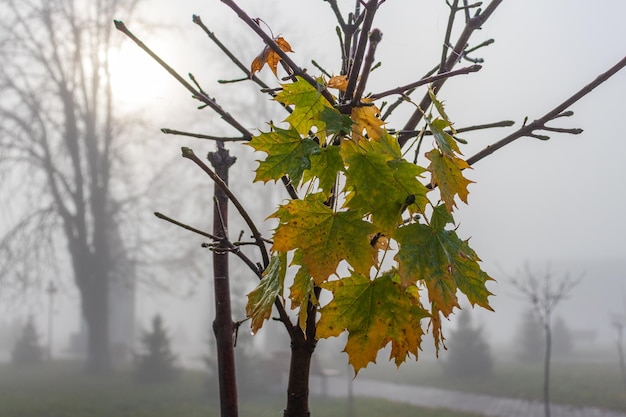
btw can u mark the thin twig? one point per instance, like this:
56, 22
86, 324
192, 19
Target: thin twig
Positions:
186, 226
446, 40
403, 89
210, 137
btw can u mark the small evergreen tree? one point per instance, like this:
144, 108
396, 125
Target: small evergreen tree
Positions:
157, 362
530, 340
27, 350
469, 354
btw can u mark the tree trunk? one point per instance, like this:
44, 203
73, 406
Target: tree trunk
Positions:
546, 369
302, 348
223, 326
96, 314
620, 352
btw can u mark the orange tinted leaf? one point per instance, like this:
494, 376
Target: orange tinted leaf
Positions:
340, 82
270, 57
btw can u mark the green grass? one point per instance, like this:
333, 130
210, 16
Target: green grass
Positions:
62, 390
572, 382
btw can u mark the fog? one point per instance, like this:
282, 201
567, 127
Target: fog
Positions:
555, 204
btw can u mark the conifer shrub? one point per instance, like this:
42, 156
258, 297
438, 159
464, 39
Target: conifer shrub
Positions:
27, 350
156, 362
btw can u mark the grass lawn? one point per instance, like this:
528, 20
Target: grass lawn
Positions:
61, 390
572, 382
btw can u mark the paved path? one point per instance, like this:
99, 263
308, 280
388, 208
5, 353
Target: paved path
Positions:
454, 400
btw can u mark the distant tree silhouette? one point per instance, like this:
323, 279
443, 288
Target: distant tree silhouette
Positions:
27, 350
543, 294
156, 363
469, 354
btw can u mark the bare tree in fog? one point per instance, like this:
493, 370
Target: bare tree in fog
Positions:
58, 140
544, 294
618, 322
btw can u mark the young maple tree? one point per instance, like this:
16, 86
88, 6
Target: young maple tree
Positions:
364, 224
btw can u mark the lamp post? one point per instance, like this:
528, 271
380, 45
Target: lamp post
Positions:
51, 290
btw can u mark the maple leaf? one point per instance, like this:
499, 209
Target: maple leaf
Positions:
270, 57
261, 299
324, 237
301, 291
380, 185
435, 326
287, 153
336, 123
447, 174
445, 141
340, 82
324, 167
375, 313
367, 118
444, 262
309, 103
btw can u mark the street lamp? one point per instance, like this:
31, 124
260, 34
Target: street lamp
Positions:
51, 290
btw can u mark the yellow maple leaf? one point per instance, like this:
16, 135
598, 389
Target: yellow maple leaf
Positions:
270, 57
375, 313
367, 119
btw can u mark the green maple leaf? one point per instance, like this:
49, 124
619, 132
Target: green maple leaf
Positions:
324, 237
375, 313
287, 154
324, 167
308, 103
444, 262
445, 141
261, 299
381, 185
447, 174
335, 122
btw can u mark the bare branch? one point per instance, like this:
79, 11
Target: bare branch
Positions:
357, 59
375, 38
558, 111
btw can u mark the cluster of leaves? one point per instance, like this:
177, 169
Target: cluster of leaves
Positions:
372, 228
